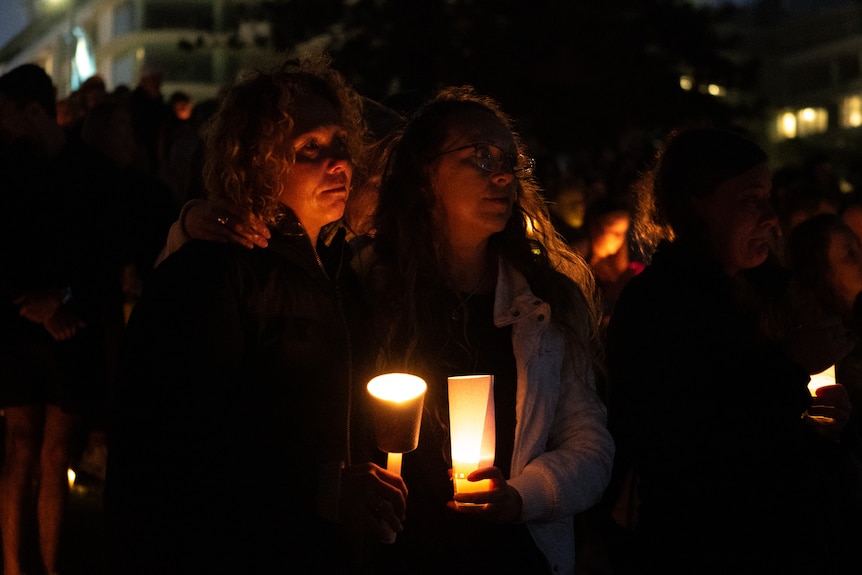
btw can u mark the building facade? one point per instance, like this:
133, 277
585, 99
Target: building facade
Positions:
811, 81
198, 46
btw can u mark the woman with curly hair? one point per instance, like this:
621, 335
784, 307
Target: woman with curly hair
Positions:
234, 416
467, 275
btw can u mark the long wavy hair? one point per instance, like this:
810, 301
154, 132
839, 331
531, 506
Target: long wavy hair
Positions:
249, 148
410, 262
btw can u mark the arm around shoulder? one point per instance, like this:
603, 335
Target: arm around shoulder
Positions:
177, 235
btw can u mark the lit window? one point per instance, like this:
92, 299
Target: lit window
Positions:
686, 83
716, 90
812, 121
786, 125
851, 112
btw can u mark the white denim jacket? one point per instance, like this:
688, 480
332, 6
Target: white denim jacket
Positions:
563, 451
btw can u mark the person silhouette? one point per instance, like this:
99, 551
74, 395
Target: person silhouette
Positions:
707, 397
59, 293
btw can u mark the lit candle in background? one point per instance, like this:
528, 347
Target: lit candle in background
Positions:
70, 473
471, 429
818, 380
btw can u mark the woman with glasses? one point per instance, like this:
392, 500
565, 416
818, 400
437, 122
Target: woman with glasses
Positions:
467, 275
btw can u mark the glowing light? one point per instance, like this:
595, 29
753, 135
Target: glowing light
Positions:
471, 429
84, 64
397, 401
716, 90
818, 380
397, 387
397, 410
812, 121
851, 112
787, 125
686, 83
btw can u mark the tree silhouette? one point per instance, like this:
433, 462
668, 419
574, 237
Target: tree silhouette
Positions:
574, 73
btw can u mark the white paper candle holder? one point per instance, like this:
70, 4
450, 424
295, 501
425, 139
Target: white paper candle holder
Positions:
471, 429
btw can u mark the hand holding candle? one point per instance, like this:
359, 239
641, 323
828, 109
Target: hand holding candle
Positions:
397, 401
501, 503
830, 409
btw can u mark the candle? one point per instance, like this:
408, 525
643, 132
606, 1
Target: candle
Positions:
397, 401
471, 429
397, 410
818, 380
393, 462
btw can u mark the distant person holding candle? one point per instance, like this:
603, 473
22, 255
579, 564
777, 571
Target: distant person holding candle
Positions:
826, 257
236, 411
467, 275
708, 375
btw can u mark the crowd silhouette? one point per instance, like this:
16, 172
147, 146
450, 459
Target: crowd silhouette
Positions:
705, 391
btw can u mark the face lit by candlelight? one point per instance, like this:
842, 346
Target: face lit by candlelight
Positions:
473, 203
317, 185
609, 234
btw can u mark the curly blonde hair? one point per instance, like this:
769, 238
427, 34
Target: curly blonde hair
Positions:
249, 147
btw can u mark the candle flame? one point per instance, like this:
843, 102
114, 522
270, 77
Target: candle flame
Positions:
818, 380
397, 387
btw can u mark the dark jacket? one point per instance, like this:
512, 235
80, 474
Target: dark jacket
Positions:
709, 413
231, 419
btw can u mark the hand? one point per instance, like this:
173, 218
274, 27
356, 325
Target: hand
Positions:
830, 411
373, 499
205, 221
38, 306
501, 504
63, 325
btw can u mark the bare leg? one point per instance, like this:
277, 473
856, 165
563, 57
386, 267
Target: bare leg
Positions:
23, 434
60, 429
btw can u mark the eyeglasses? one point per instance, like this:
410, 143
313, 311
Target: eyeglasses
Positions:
492, 158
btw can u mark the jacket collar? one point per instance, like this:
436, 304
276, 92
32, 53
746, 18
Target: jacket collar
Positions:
514, 300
